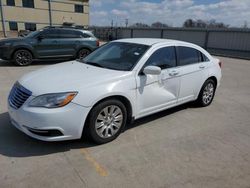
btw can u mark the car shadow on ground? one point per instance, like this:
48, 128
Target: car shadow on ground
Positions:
14, 143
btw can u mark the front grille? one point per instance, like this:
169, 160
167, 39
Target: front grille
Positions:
18, 95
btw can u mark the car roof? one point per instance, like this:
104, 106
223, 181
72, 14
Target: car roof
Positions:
154, 41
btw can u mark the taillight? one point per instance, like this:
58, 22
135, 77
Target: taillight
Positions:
220, 64
98, 43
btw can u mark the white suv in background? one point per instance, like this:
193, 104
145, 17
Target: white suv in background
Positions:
121, 81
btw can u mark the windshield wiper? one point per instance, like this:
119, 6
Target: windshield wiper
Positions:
94, 64
91, 63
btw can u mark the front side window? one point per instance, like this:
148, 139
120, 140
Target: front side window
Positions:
188, 56
163, 58
204, 58
51, 33
79, 8
117, 56
30, 26
10, 2
13, 26
28, 3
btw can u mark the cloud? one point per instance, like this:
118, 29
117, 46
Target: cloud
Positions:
173, 12
119, 13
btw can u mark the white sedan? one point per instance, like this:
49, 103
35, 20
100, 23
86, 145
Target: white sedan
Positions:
119, 82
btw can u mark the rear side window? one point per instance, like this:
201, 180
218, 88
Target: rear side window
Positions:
85, 35
163, 58
188, 56
70, 34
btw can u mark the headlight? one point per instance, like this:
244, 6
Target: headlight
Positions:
53, 100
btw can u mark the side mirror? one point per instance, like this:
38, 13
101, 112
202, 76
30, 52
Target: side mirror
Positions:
152, 70
40, 37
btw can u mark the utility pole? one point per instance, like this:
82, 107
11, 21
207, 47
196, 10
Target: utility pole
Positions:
3, 19
112, 23
50, 13
126, 22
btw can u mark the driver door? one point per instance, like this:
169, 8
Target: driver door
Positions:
47, 46
158, 92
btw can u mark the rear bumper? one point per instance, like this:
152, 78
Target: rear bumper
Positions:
59, 124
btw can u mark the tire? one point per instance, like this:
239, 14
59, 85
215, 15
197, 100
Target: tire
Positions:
22, 57
83, 53
106, 121
206, 94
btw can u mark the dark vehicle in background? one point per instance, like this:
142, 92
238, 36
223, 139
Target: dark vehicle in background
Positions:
49, 43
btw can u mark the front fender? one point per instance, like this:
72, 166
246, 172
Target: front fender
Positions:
88, 97
23, 46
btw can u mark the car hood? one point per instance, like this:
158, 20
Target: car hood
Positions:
69, 76
10, 40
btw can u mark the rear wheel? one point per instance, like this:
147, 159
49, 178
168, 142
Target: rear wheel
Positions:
83, 53
23, 57
207, 92
106, 121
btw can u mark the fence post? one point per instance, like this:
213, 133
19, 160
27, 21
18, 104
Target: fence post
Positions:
162, 33
116, 33
132, 33
206, 39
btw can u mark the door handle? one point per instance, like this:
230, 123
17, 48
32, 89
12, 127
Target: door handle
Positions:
202, 66
174, 73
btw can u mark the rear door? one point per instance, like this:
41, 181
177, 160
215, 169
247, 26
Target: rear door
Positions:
69, 41
192, 71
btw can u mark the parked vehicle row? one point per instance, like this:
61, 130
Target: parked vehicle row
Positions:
117, 83
49, 43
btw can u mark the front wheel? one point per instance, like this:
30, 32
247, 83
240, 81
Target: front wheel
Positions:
83, 53
106, 121
207, 93
22, 57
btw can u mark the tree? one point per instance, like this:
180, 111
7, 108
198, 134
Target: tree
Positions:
189, 23
159, 25
140, 25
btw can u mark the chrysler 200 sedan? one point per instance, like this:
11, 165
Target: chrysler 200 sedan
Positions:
119, 82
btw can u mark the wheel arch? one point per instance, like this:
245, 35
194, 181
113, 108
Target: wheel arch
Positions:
122, 99
214, 79
22, 48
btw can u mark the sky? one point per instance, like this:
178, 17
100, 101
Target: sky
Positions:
171, 12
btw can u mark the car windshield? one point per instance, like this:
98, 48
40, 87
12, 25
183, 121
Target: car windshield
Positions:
117, 56
32, 34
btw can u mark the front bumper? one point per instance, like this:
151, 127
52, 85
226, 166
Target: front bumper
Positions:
5, 52
67, 122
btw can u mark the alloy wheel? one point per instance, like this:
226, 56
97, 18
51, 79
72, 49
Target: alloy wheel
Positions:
83, 53
109, 121
23, 57
208, 93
